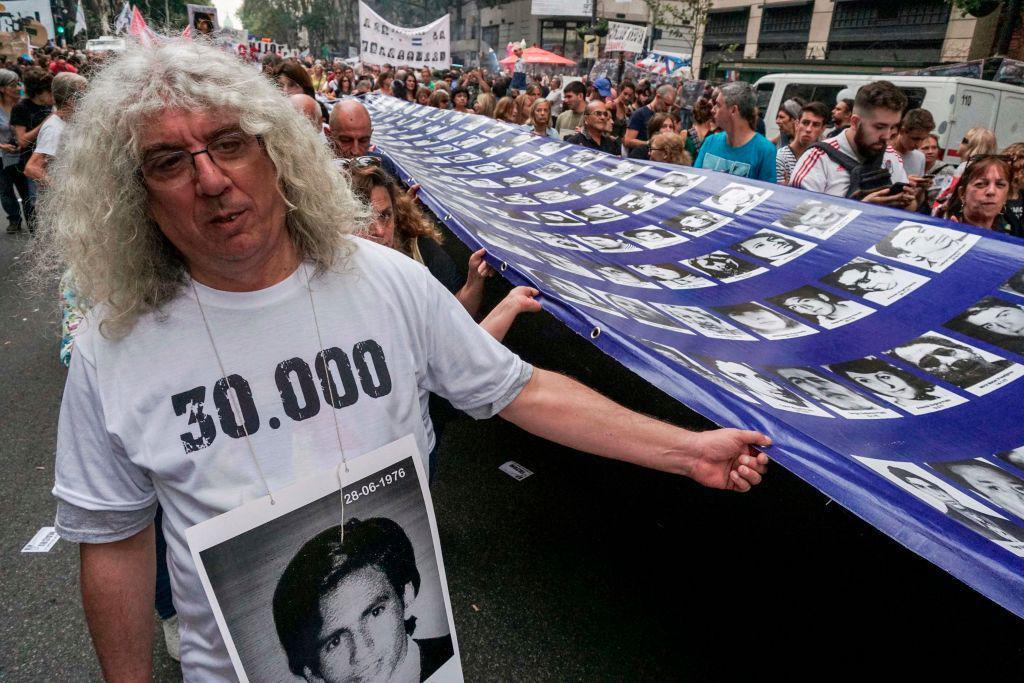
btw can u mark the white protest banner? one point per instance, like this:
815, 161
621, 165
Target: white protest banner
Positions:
345, 542
14, 14
625, 37
382, 42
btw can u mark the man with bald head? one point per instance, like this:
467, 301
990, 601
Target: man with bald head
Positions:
309, 108
351, 131
597, 124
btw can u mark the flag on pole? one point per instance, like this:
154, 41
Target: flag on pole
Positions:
187, 33
141, 30
79, 19
123, 19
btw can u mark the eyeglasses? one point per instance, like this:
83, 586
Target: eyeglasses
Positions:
169, 169
359, 162
600, 114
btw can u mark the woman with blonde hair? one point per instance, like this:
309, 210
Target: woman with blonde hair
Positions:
977, 141
506, 110
485, 104
540, 119
670, 148
523, 104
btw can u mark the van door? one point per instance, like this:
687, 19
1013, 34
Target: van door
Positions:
764, 91
973, 106
1010, 120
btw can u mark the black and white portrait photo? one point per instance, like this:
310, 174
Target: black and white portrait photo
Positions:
494, 130
639, 201
696, 221
464, 157
554, 196
552, 170
553, 218
566, 289
837, 397
653, 237
982, 478
622, 170
968, 367
597, 213
549, 148
672, 275
956, 505
489, 167
817, 218
327, 585
621, 276
766, 389
519, 181
675, 183
514, 198
704, 323
876, 282
773, 247
1015, 285
996, 321
1014, 456
591, 185
822, 308
566, 264
725, 267
766, 322
483, 182
582, 157
609, 244
693, 366
925, 246
504, 245
560, 241
903, 389
736, 198
521, 159
644, 313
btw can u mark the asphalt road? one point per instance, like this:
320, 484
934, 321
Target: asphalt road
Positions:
587, 570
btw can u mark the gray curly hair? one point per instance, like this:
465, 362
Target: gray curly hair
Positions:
93, 219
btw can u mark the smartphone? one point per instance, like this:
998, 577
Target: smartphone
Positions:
896, 188
928, 176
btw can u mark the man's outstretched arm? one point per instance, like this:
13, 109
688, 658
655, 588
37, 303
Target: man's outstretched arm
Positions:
562, 410
118, 583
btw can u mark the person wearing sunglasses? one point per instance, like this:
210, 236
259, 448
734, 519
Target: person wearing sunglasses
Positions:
980, 196
597, 124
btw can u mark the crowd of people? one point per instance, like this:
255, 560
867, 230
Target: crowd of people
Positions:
890, 151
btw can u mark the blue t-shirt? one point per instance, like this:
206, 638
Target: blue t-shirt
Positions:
638, 122
756, 159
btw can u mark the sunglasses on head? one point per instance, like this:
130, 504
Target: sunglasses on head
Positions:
359, 162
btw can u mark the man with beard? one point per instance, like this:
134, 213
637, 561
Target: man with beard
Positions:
946, 359
877, 112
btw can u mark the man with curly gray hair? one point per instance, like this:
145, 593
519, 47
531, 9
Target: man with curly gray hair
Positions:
203, 219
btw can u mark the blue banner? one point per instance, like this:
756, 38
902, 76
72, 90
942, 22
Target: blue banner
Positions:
883, 351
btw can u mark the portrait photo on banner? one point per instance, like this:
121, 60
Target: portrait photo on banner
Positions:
332, 582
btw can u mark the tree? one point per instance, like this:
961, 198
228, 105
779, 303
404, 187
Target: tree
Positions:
1011, 10
669, 15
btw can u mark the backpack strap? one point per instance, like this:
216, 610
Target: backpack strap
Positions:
841, 158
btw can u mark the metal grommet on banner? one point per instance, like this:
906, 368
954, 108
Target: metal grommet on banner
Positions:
595, 333
447, 217
503, 267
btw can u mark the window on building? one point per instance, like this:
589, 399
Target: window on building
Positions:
560, 37
725, 34
784, 31
888, 31
489, 35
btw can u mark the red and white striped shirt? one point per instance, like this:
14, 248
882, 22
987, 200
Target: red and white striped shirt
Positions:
816, 172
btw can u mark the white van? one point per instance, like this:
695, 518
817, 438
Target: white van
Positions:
958, 104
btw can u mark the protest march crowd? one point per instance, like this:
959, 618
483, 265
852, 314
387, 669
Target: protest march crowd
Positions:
207, 218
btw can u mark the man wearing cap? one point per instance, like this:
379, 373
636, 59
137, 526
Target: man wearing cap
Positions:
604, 88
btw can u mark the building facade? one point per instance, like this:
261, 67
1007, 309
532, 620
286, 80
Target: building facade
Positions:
748, 38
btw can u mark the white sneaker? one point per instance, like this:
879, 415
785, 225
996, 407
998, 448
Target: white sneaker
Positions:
171, 637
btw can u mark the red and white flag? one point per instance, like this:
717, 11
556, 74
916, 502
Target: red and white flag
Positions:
140, 29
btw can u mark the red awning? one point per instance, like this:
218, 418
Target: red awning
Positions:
535, 55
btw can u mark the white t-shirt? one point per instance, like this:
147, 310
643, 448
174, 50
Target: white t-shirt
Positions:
913, 162
816, 172
140, 423
48, 140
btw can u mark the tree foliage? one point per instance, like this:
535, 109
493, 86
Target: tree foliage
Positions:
671, 15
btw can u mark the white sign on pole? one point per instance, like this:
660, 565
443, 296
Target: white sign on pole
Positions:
16, 10
561, 8
381, 42
625, 37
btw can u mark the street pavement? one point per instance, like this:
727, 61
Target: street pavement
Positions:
587, 570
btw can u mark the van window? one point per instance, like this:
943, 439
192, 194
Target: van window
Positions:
810, 92
764, 94
915, 97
